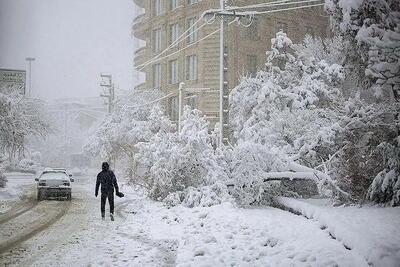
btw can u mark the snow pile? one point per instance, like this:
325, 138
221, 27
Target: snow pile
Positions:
371, 232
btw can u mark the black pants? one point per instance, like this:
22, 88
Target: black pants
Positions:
104, 196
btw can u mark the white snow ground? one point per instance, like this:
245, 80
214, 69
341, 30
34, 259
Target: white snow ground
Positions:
147, 233
372, 232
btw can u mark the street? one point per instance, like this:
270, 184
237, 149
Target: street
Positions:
42, 233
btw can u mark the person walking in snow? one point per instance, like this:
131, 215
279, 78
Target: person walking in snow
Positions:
108, 182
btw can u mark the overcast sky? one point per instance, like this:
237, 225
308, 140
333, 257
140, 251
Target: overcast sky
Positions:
72, 41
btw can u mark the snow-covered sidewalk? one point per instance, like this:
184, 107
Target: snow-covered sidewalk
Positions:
372, 232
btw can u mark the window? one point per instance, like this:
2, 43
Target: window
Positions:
191, 2
174, 4
191, 67
281, 26
192, 30
157, 7
173, 72
252, 31
157, 40
174, 108
310, 31
252, 64
173, 33
192, 101
157, 75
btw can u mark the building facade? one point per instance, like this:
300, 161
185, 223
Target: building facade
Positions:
195, 60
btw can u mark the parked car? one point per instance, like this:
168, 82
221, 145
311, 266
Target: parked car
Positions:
48, 169
53, 183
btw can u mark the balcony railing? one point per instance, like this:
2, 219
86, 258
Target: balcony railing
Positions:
140, 56
140, 87
139, 27
140, 3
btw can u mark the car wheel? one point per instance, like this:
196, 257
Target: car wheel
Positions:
69, 196
39, 195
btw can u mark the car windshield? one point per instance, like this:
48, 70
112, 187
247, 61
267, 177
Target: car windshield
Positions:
53, 176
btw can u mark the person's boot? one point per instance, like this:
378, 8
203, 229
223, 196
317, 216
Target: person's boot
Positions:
103, 216
112, 216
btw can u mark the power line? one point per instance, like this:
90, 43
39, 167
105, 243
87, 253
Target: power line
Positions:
188, 46
175, 42
279, 10
271, 4
249, 13
151, 102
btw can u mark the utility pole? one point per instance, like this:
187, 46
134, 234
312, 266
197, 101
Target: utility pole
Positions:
30, 59
110, 93
221, 75
180, 105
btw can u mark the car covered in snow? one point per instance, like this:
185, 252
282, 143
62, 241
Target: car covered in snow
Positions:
53, 183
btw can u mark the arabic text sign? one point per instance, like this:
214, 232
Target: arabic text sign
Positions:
12, 81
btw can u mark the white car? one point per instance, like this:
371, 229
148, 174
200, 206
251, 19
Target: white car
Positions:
53, 183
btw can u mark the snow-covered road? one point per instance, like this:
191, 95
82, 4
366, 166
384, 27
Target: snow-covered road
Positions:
147, 233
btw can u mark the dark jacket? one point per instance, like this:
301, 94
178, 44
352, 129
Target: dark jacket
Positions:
107, 180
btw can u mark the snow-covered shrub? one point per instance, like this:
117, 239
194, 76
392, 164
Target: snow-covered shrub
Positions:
250, 161
203, 196
27, 165
172, 162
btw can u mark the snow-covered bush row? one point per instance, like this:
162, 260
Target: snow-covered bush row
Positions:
182, 167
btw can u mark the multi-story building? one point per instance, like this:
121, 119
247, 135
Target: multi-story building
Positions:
195, 60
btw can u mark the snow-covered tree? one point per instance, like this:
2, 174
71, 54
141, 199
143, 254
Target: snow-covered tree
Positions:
373, 30
369, 160
132, 122
288, 113
3, 178
20, 118
172, 165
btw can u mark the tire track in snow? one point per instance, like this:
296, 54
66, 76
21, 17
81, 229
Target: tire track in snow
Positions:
16, 212
35, 227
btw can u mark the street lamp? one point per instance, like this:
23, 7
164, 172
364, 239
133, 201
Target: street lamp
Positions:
30, 59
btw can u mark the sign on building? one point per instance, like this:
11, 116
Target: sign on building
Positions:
12, 81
